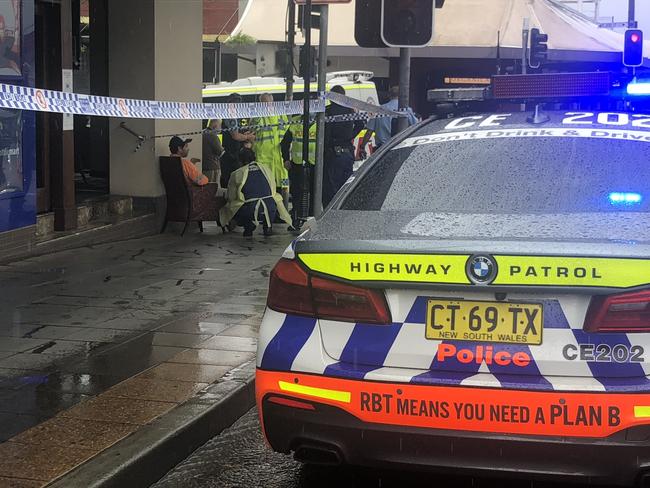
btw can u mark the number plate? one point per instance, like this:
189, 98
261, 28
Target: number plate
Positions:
460, 320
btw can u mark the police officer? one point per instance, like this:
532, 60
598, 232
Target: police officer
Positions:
292, 152
235, 135
269, 133
339, 150
251, 197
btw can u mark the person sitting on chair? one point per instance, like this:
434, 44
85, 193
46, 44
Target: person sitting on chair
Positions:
180, 148
251, 196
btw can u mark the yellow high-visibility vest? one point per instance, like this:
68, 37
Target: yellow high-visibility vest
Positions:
297, 144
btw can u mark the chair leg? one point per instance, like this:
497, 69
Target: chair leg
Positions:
200, 225
187, 224
164, 226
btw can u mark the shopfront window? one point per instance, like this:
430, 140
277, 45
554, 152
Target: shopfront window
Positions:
11, 163
10, 37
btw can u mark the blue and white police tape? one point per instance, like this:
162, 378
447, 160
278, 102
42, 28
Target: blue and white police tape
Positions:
26, 98
36, 99
362, 106
282, 125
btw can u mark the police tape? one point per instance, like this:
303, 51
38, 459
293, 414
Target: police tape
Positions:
363, 106
252, 128
36, 99
282, 124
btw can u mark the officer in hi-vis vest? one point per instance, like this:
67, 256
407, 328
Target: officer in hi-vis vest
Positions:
292, 151
268, 135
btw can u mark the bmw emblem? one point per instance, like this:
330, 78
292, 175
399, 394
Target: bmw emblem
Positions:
481, 270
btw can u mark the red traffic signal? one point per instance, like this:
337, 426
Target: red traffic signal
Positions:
633, 50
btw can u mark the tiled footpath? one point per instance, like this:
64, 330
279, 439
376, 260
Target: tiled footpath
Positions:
97, 342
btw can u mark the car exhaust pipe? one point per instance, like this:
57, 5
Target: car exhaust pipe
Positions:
320, 454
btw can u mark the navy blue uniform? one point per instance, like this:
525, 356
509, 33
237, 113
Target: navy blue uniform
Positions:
256, 187
339, 151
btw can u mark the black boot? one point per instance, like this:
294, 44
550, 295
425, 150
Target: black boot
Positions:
248, 230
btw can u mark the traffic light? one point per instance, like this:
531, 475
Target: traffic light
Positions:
633, 50
315, 17
538, 48
407, 23
310, 59
367, 23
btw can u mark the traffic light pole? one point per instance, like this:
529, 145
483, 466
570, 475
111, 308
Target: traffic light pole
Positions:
524, 45
304, 204
291, 45
404, 84
320, 120
631, 14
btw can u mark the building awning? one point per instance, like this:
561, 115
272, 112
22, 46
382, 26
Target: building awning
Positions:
463, 29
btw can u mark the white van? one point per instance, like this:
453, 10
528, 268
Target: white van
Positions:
357, 85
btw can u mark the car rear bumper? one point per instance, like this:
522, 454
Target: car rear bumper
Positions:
321, 432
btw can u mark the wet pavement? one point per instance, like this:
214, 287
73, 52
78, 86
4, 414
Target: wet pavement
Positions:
75, 323
239, 458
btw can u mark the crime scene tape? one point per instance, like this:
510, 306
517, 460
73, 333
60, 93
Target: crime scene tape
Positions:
362, 106
283, 125
27, 98
36, 99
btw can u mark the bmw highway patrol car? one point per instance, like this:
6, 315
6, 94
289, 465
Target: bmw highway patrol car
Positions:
476, 298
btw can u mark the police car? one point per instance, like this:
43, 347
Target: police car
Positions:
477, 298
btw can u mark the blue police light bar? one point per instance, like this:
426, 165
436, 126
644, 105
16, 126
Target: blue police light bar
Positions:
551, 85
623, 198
639, 87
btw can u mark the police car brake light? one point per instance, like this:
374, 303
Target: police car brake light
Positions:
289, 289
337, 301
293, 291
628, 312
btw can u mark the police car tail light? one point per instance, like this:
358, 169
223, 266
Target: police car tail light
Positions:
292, 290
289, 289
629, 312
337, 301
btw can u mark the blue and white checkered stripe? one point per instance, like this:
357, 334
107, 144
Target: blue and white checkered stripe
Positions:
346, 350
26, 98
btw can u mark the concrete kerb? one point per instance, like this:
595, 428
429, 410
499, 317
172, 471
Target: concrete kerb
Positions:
148, 454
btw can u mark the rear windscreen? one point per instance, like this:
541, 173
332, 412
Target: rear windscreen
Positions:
509, 175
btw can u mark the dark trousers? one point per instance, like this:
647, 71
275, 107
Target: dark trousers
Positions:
229, 164
245, 216
337, 169
297, 177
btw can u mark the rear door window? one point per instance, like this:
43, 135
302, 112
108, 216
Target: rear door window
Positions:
515, 175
